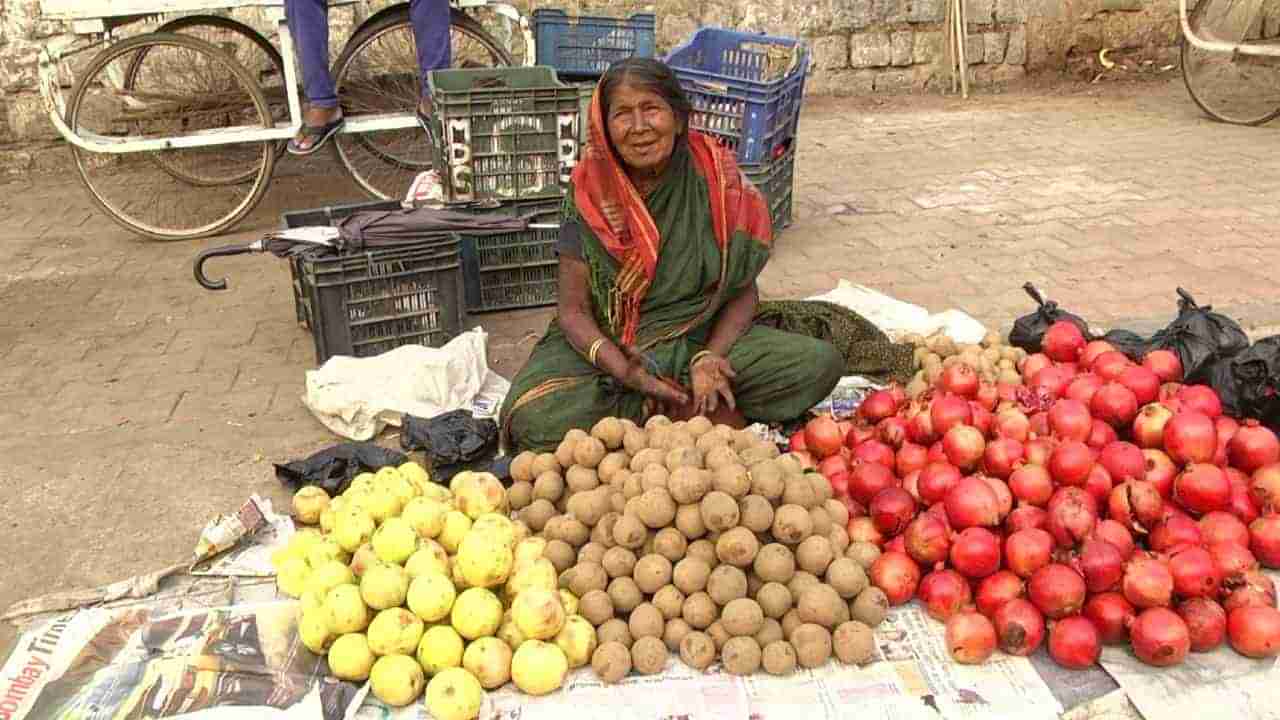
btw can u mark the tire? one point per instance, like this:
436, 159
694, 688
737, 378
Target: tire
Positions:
385, 169
1235, 89
179, 200
189, 24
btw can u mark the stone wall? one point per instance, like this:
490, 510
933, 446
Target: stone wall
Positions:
859, 46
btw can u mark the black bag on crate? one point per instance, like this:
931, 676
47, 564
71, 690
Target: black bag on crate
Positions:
1257, 381
1200, 337
1029, 330
1222, 378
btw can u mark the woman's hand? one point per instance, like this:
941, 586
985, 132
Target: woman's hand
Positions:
710, 377
639, 378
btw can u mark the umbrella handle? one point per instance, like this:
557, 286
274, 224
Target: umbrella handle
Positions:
226, 250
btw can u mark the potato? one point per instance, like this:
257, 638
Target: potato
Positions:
618, 562
669, 601
596, 606
726, 583
614, 630
649, 655
690, 575
775, 563
651, 573
697, 650
800, 582
754, 583
688, 484
589, 452
758, 453
587, 576
732, 480
624, 594
718, 634
537, 514
565, 451
767, 480
854, 643
591, 553
609, 432
646, 621
681, 438
611, 662
779, 658
820, 521
629, 532
522, 467
870, 607
774, 599
821, 605
655, 476
633, 487
770, 631
699, 611
741, 656
865, 554
561, 555
839, 539
670, 544
580, 479
737, 546
813, 645
708, 442
719, 511
742, 616
569, 529
791, 524
645, 458
656, 508
846, 577
720, 456
814, 554
544, 463
602, 533
790, 622
520, 494
755, 513
705, 550
799, 491
689, 521
838, 512
675, 633
679, 457
633, 441
588, 507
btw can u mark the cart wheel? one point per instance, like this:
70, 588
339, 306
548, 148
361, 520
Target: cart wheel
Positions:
377, 73
185, 85
1232, 88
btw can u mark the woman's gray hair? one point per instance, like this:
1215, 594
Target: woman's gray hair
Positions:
653, 75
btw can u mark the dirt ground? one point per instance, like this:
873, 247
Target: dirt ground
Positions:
137, 406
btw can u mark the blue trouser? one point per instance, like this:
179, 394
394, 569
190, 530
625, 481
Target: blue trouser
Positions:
309, 25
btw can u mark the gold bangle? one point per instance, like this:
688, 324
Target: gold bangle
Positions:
595, 350
698, 356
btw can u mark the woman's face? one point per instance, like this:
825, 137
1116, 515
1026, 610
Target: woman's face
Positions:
642, 127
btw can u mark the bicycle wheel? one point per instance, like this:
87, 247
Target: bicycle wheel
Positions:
184, 85
1233, 87
377, 73
251, 50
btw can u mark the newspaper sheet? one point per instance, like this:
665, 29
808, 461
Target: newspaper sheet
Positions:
1218, 684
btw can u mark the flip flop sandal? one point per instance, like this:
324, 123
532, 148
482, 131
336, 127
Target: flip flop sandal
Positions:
319, 135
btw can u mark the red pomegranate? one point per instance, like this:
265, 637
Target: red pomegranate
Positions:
1082, 388
1144, 384
1202, 488
1098, 484
1242, 504
868, 478
822, 437
876, 452
1190, 437
1165, 364
897, 575
1264, 540
1254, 631
1147, 582
1114, 404
1073, 514
1223, 527
1026, 551
910, 458
1013, 424
1057, 591
1001, 456
1093, 350
988, 396
1173, 531
1194, 573
975, 552
971, 503
1052, 381
1116, 534
1031, 484
1160, 637
1101, 565
1063, 342
1020, 627
892, 431
920, 429
960, 380
964, 446
1264, 487
947, 411
1112, 615
1202, 399
936, 480
1101, 435
1037, 451
927, 540
997, 589
891, 510
1252, 447
944, 593
1074, 643
1148, 425
971, 638
863, 529
1069, 420
1232, 561
1160, 471
1253, 590
1026, 517
1034, 364
1206, 623
1136, 505
1124, 461
878, 405
1070, 463
1109, 366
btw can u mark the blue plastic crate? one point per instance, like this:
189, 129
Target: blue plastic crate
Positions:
745, 88
585, 46
776, 180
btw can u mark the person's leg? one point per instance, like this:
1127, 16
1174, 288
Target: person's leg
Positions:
430, 19
781, 375
309, 25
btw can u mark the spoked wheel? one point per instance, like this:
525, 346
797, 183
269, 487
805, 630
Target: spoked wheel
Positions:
376, 74
1232, 87
251, 50
182, 86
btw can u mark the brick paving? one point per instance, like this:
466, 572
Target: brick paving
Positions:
136, 405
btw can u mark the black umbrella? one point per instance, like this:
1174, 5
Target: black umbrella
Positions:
366, 230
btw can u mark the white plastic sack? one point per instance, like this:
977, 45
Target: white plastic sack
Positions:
357, 397
897, 318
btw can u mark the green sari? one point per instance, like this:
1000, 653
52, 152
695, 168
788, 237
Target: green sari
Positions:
780, 375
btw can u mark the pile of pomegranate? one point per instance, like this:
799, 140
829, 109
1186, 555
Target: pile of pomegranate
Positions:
1098, 502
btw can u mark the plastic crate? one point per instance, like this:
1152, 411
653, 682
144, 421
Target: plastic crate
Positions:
777, 181
368, 303
726, 75
585, 46
513, 270
504, 134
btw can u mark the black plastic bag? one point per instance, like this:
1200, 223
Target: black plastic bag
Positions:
1257, 381
1222, 378
452, 440
1029, 330
1133, 345
1200, 337
334, 467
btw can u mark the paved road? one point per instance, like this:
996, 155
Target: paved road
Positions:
136, 406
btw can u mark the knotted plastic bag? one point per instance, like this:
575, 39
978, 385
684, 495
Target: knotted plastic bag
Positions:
1256, 372
1028, 331
1200, 337
334, 467
454, 441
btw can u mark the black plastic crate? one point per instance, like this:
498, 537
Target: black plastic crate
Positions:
776, 180
504, 134
505, 271
585, 46
368, 303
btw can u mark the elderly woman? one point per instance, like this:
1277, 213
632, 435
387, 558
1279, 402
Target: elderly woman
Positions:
660, 247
